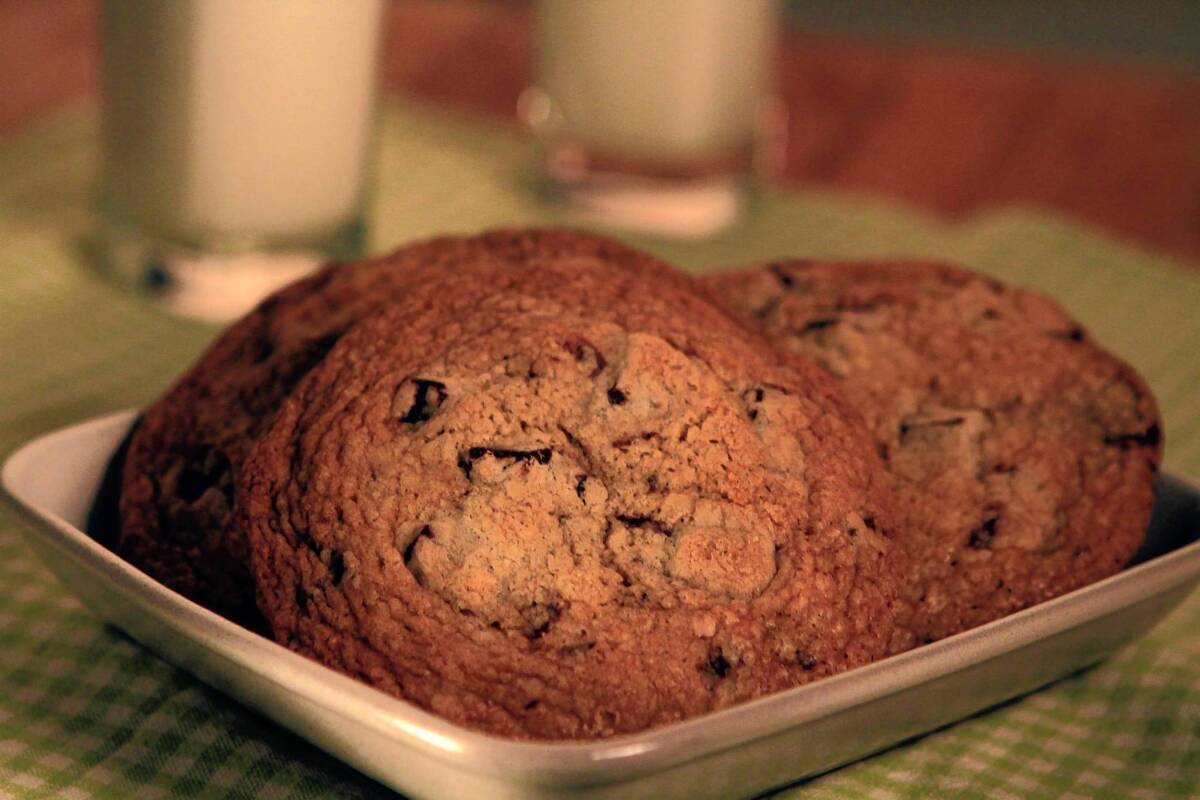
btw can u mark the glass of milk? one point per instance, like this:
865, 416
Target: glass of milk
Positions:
654, 114
236, 143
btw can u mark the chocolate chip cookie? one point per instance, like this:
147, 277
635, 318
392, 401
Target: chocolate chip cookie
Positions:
579, 505
1023, 456
181, 471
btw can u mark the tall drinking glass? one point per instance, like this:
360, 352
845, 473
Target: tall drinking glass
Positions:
236, 142
654, 114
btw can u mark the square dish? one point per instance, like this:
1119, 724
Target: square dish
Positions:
740, 751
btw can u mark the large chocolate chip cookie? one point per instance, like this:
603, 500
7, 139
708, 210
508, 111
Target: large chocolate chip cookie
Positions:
580, 505
182, 465
1022, 454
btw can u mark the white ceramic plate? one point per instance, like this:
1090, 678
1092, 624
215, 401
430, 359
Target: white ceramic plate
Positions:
738, 752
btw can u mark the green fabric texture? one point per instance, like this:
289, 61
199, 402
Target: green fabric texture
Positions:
84, 712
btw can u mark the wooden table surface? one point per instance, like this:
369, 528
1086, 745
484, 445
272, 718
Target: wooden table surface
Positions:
951, 130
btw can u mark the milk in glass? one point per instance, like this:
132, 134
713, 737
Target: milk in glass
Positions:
236, 138
667, 94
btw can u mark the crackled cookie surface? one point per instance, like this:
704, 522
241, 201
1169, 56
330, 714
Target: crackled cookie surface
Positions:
180, 475
580, 507
1022, 455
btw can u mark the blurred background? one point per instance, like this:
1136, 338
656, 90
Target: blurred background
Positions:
1161, 31
1090, 108
1049, 143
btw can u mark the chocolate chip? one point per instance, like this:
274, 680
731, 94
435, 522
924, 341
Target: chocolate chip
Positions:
717, 664
541, 455
806, 661
1001, 468
306, 539
625, 441
570, 436
204, 467
531, 705
465, 465
419, 399
754, 395
869, 522
467, 460
581, 487
540, 617
585, 352
947, 422
301, 599
337, 566
192, 484
750, 397
981, 537
424, 533
1074, 334
616, 397
818, 324
264, 348
634, 521
1147, 438
781, 275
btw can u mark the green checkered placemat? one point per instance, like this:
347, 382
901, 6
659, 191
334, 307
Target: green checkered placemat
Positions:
84, 712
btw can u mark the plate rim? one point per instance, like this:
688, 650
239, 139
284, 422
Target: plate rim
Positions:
636, 754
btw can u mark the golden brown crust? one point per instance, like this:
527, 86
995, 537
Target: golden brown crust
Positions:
1023, 455
182, 465
580, 504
